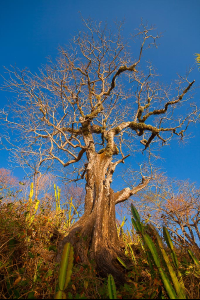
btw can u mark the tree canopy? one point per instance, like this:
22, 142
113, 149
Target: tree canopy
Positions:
92, 106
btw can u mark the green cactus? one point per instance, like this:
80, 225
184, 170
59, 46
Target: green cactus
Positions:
31, 193
140, 229
193, 257
135, 213
57, 196
65, 270
32, 210
153, 256
70, 213
121, 226
111, 287
170, 245
132, 253
178, 285
37, 202
169, 289
195, 267
121, 262
173, 255
138, 225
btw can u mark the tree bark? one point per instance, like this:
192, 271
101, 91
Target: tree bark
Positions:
94, 236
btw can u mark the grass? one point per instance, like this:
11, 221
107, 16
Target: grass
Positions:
28, 269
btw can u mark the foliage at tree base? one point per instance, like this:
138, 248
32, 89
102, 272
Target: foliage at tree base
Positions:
29, 270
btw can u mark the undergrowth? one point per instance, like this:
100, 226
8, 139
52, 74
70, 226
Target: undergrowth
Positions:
28, 268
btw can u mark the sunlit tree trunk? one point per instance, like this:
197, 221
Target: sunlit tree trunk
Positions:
94, 236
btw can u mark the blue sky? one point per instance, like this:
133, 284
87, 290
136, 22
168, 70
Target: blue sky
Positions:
30, 31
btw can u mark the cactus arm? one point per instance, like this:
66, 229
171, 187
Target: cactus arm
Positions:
111, 287
69, 267
137, 225
132, 254
170, 245
37, 202
165, 280
135, 213
58, 198
75, 210
193, 257
173, 254
31, 193
177, 285
65, 270
121, 262
65, 266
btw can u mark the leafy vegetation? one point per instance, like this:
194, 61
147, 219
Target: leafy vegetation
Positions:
29, 236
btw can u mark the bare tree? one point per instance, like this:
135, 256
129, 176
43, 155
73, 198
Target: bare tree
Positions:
181, 214
8, 185
174, 204
91, 107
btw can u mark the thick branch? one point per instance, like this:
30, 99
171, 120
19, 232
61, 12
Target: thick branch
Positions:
71, 161
127, 192
119, 71
163, 110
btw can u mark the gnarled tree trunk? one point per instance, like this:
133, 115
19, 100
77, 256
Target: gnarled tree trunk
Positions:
94, 235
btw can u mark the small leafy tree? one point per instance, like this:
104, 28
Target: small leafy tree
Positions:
91, 108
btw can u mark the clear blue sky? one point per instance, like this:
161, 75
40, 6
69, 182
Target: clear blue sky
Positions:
30, 31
